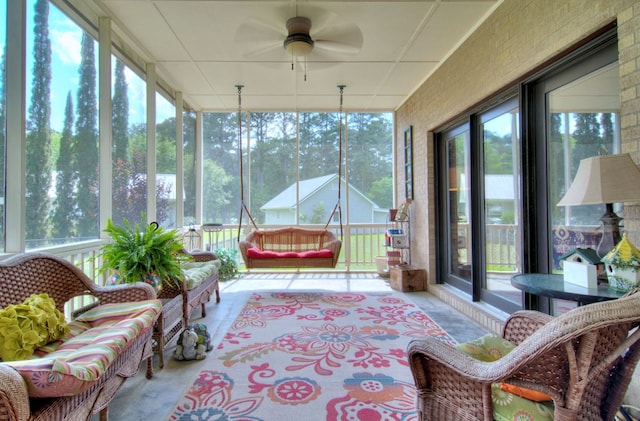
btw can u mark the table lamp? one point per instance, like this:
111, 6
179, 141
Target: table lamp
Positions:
605, 179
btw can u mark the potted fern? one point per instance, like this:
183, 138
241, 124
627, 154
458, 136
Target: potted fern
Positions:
150, 254
228, 264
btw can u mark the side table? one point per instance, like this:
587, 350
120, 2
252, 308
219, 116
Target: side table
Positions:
549, 285
167, 328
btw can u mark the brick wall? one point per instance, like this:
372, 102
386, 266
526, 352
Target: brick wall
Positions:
518, 37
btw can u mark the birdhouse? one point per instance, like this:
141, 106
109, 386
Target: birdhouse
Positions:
581, 267
622, 264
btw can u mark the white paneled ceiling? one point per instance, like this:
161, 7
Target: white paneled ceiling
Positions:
381, 50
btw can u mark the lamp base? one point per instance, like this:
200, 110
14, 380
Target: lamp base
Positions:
610, 231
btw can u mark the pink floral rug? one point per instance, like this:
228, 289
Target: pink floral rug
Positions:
312, 356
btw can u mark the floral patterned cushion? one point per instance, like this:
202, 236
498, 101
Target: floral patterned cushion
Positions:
506, 406
74, 363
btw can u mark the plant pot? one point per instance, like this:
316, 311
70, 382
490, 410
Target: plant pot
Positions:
150, 279
381, 266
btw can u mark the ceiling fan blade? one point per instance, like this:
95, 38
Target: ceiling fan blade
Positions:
341, 39
256, 38
335, 47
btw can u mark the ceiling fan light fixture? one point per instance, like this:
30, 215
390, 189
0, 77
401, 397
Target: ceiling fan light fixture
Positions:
298, 43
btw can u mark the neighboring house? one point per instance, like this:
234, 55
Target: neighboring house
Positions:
499, 197
316, 192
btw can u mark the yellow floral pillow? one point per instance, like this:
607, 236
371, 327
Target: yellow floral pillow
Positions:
24, 327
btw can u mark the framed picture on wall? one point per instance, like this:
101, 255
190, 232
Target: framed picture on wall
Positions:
408, 162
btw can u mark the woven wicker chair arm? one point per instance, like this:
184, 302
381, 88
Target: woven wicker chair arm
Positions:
433, 350
334, 246
200, 255
14, 398
124, 293
521, 324
172, 289
245, 245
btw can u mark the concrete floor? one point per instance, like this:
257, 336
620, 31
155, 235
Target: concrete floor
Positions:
143, 399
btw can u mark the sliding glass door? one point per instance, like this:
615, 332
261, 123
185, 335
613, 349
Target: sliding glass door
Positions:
502, 222
481, 228
459, 260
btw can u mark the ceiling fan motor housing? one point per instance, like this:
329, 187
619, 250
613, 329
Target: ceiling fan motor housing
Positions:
298, 42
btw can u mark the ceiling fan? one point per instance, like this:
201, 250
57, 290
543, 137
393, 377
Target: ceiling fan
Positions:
296, 38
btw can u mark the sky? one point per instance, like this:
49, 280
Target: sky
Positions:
66, 39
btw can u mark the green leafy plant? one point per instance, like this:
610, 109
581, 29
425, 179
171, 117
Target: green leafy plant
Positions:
228, 264
136, 253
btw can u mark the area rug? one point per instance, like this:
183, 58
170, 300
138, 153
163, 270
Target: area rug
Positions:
312, 356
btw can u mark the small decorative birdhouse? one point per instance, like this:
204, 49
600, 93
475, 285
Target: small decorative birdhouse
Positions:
622, 264
581, 267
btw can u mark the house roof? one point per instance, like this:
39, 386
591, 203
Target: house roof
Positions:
588, 255
287, 198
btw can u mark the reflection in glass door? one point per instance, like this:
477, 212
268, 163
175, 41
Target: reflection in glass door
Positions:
581, 123
459, 216
502, 200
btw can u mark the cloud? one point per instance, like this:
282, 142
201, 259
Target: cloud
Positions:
66, 45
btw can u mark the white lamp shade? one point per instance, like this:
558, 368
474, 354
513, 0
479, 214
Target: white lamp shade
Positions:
604, 179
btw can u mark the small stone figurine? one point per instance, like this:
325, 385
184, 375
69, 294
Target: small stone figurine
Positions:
194, 343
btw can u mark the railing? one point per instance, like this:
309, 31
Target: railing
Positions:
503, 248
361, 244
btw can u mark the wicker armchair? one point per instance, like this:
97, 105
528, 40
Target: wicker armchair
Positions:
583, 359
29, 273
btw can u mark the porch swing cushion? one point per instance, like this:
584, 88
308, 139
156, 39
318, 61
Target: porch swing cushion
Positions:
256, 253
290, 247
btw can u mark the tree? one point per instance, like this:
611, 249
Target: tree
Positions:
220, 146
86, 145
3, 142
132, 197
189, 152
318, 215
381, 192
120, 134
38, 167
370, 150
216, 195
65, 205
120, 117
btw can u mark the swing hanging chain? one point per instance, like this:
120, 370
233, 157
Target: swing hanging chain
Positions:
337, 207
243, 206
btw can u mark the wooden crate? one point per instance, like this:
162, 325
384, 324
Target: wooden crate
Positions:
407, 278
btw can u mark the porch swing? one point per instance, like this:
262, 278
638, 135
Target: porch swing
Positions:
293, 246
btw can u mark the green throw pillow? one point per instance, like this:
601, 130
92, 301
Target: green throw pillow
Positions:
506, 406
27, 326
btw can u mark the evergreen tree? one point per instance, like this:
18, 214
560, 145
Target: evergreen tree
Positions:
3, 137
220, 145
64, 210
38, 168
120, 135
587, 137
189, 152
120, 105
370, 150
86, 144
